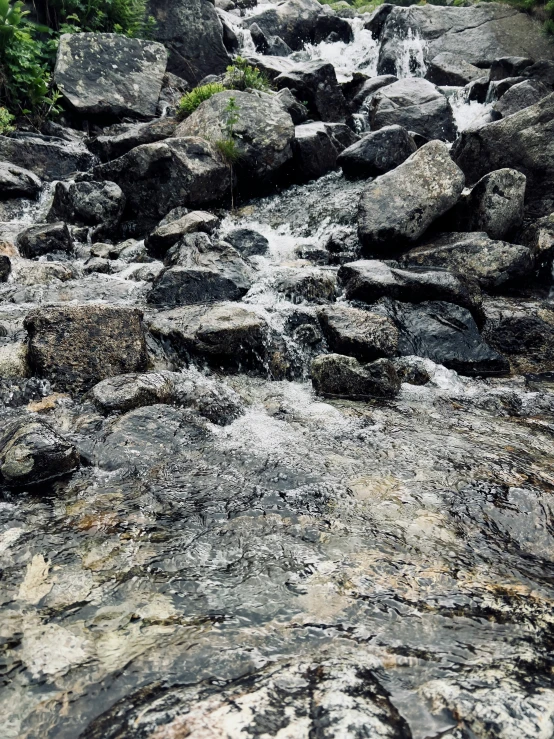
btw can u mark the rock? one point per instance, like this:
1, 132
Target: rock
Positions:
451, 69
192, 33
300, 21
230, 39
415, 104
358, 333
272, 45
412, 370
542, 71
306, 284
523, 141
155, 178
110, 74
27, 272
168, 234
445, 333
539, 237
494, 205
88, 203
477, 90
316, 83
77, 346
377, 152
478, 34
5, 267
334, 375
31, 452
264, 130
13, 360
45, 156
364, 96
491, 263
225, 334
518, 97
247, 242
508, 66
119, 139
44, 238
400, 205
148, 273
201, 272
297, 111
316, 148
497, 89
370, 280
17, 182
211, 399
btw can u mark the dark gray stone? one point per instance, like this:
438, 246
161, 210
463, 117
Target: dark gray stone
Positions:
316, 83
518, 97
316, 148
377, 152
168, 234
358, 333
45, 156
247, 242
87, 203
44, 238
121, 138
365, 94
508, 66
334, 375
17, 182
451, 69
5, 267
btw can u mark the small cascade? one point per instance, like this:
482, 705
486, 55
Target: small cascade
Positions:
467, 112
410, 61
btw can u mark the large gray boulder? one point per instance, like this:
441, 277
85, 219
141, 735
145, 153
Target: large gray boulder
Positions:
193, 33
336, 375
398, 207
523, 141
264, 131
377, 152
415, 104
47, 157
16, 181
120, 138
44, 238
169, 232
317, 147
110, 74
358, 333
76, 346
87, 203
315, 83
451, 69
155, 178
519, 96
478, 34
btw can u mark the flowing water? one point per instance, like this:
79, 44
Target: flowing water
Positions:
315, 569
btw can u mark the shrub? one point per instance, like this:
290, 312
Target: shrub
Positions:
6, 121
128, 17
191, 100
242, 76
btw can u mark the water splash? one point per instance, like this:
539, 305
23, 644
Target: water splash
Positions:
467, 112
410, 60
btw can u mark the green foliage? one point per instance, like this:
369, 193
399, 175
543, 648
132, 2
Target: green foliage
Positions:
229, 151
227, 146
191, 100
6, 122
128, 17
243, 76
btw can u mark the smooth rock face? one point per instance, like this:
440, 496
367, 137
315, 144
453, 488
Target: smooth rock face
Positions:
494, 205
336, 375
31, 452
369, 280
451, 69
155, 178
399, 206
168, 234
358, 333
491, 263
192, 32
520, 96
211, 399
87, 203
16, 181
44, 238
377, 152
316, 83
317, 147
415, 104
77, 346
110, 74
45, 156
523, 141
247, 242
264, 130
445, 333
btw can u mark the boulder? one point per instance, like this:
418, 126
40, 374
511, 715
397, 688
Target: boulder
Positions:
17, 182
298, 22
451, 69
155, 178
201, 272
538, 235
110, 74
494, 205
369, 280
168, 234
31, 452
400, 205
508, 66
297, 110
306, 284
225, 334
87, 203
117, 140
415, 104
519, 96
358, 333
478, 34
45, 156
542, 71
44, 238
264, 131
491, 263
77, 346
5, 267
192, 32
316, 148
365, 94
334, 375
247, 242
316, 83
272, 45
211, 399
523, 141
445, 333
377, 152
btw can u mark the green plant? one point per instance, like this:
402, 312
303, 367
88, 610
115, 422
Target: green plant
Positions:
191, 100
227, 146
6, 122
128, 17
243, 76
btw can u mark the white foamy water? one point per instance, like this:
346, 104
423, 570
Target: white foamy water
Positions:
410, 62
467, 113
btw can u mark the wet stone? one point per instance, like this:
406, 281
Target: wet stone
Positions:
248, 242
358, 333
336, 375
44, 238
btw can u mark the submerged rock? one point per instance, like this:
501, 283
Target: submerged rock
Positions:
358, 333
336, 375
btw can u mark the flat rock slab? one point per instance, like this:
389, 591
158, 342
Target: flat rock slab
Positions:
47, 157
110, 74
77, 346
